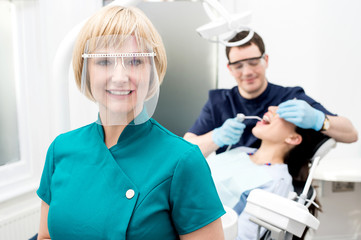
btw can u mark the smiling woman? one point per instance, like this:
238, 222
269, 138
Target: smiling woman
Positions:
126, 159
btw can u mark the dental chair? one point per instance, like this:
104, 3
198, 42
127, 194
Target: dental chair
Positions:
287, 218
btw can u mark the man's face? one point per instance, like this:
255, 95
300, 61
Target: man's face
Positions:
251, 73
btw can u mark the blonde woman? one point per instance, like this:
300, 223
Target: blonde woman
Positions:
125, 176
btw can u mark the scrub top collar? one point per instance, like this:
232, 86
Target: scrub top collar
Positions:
130, 132
260, 99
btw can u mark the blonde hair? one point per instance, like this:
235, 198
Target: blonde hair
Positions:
117, 20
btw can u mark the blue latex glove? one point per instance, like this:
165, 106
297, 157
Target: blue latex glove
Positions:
301, 114
229, 133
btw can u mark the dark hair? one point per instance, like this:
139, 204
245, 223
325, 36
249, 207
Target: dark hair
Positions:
256, 39
298, 160
299, 157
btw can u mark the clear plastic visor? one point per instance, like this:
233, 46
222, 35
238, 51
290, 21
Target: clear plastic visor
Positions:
120, 75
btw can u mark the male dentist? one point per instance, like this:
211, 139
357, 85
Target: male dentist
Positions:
217, 126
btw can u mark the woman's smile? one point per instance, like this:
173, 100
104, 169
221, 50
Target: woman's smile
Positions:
120, 92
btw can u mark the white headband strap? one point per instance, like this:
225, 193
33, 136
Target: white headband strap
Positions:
99, 55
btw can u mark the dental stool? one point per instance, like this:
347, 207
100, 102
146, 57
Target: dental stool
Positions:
286, 218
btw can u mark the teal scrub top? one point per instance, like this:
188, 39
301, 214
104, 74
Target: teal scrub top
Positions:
151, 185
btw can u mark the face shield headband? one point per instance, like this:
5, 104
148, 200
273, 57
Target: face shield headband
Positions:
120, 75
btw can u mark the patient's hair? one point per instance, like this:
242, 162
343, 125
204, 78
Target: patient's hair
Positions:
299, 158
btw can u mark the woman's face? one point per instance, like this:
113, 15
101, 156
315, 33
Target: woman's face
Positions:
273, 128
120, 84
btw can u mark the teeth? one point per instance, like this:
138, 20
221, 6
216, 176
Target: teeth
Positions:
120, 93
266, 119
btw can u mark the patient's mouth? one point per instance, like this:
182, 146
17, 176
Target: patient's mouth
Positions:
266, 120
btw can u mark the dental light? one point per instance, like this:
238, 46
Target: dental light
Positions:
224, 25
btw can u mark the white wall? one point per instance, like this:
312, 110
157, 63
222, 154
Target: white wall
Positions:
55, 20
341, 213
42, 25
313, 44
58, 19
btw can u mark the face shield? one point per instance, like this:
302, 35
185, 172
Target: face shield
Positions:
120, 75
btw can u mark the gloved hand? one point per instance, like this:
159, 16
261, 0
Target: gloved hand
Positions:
229, 133
301, 114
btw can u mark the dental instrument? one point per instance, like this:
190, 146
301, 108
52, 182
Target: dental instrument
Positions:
241, 117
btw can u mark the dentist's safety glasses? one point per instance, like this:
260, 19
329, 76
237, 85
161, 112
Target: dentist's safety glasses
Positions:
120, 75
238, 66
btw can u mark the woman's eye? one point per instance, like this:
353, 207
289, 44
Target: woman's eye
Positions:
134, 62
104, 62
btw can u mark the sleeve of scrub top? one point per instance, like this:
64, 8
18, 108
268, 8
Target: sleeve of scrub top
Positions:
193, 196
205, 121
301, 94
44, 189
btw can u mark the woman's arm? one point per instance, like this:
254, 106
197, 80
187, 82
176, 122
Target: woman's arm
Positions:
43, 229
212, 231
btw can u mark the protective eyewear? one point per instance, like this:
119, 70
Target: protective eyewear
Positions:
129, 61
251, 62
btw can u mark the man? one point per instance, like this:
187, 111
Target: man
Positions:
217, 127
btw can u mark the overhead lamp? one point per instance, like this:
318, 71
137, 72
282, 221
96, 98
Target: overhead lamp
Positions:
224, 25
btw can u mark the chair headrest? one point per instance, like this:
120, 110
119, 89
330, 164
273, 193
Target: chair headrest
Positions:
323, 147
315, 143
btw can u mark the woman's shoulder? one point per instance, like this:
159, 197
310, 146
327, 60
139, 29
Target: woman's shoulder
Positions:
78, 131
77, 136
164, 132
279, 171
170, 141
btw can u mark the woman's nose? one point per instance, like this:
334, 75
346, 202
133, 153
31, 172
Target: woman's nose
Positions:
272, 109
120, 72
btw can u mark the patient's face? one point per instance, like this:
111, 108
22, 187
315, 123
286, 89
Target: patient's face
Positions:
273, 128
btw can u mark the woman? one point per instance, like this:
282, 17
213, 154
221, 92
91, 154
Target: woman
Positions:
125, 176
282, 158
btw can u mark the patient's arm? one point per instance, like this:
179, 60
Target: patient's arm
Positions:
341, 129
212, 231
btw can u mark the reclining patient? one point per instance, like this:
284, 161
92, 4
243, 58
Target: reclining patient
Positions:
282, 159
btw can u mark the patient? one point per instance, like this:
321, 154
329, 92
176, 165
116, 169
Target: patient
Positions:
282, 158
